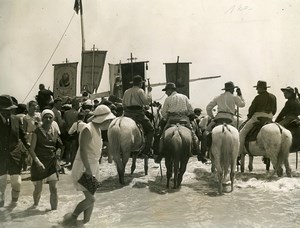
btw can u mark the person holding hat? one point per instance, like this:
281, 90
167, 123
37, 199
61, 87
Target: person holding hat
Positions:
263, 105
87, 161
227, 103
134, 101
11, 131
45, 151
291, 109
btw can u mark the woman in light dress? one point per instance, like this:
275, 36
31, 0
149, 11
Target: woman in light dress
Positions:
87, 161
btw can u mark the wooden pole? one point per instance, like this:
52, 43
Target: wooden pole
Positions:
82, 27
93, 69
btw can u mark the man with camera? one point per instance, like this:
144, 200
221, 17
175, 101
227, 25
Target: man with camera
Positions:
227, 103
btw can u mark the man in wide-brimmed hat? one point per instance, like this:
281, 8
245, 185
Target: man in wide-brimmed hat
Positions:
11, 131
134, 101
291, 109
227, 103
263, 105
176, 105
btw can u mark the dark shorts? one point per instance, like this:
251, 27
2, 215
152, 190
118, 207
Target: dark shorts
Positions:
9, 166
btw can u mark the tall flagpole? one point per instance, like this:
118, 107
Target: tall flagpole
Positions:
82, 30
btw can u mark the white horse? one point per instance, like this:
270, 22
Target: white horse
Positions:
125, 137
224, 152
273, 142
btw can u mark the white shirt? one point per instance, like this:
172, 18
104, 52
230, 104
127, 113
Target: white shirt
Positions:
226, 103
176, 103
76, 126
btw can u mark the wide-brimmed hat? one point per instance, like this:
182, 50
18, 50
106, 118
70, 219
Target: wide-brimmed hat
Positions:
262, 84
137, 80
101, 114
169, 85
6, 103
288, 89
229, 85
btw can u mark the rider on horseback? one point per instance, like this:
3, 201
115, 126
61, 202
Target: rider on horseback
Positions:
176, 106
226, 103
134, 100
264, 105
291, 109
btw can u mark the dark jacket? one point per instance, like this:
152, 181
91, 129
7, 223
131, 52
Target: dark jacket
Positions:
9, 138
264, 102
291, 109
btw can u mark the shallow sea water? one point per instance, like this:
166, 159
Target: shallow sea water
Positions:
258, 200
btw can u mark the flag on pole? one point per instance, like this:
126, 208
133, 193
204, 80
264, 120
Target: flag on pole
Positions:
91, 70
129, 70
64, 83
78, 6
179, 74
115, 80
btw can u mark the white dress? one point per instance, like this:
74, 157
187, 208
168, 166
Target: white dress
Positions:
93, 151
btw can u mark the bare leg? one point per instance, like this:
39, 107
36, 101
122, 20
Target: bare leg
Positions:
38, 187
3, 183
85, 205
16, 187
53, 194
87, 214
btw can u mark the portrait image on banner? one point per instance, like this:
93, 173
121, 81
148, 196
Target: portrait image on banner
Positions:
129, 70
115, 80
65, 76
91, 70
179, 73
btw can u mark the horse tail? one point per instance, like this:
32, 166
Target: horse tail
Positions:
286, 143
114, 139
227, 145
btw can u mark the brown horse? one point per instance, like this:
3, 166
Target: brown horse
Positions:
125, 137
176, 145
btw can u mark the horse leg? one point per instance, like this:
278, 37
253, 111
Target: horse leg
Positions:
268, 163
213, 167
121, 170
232, 174
168, 163
146, 165
183, 165
133, 165
287, 168
242, 162
176, 174
250, 165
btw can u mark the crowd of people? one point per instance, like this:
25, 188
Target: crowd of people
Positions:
46, 134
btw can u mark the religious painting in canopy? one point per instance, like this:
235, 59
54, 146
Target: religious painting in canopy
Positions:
129, 70
91, 70
179, 73
64, 83
115, 80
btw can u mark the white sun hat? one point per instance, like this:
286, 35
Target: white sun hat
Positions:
101, 114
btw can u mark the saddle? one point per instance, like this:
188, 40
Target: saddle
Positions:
252, 134
294, 128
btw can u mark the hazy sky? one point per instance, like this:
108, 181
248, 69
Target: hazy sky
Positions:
241, 40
